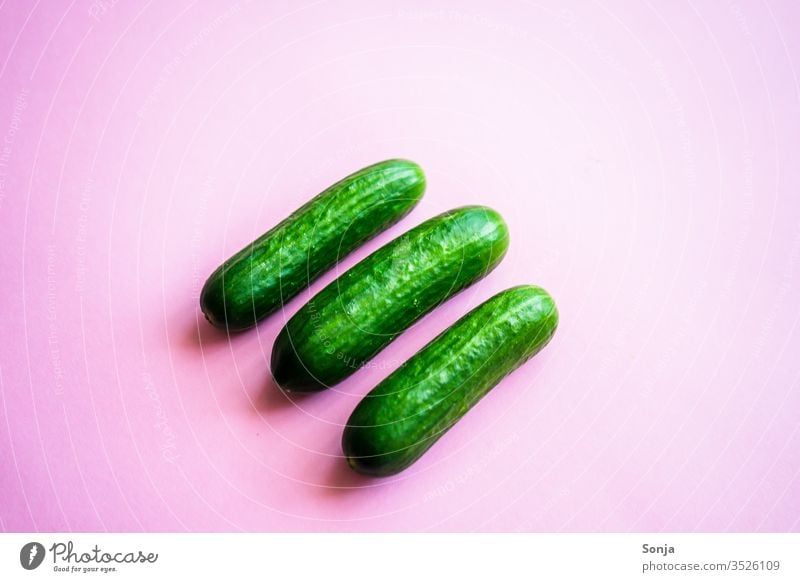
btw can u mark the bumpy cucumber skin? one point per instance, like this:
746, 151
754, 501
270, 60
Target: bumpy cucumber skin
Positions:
361, 312
270, 271
407, 412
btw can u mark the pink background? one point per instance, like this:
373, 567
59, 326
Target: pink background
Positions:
645, 158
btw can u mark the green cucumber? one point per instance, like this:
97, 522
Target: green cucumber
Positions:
415, 405
361, 312
270, 271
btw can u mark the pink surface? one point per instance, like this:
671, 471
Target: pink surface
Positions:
645, 158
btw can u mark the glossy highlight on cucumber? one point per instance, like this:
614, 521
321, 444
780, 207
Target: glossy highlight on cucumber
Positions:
270, 271
365, 309
413, 407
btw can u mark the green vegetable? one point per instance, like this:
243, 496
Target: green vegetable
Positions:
270, 271
361, 312
415, 405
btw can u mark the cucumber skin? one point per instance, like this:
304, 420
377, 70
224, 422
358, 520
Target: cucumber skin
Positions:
361, 312
274, 268
413, 407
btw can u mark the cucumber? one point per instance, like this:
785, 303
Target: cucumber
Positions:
415, 405
270, 271
361, 312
